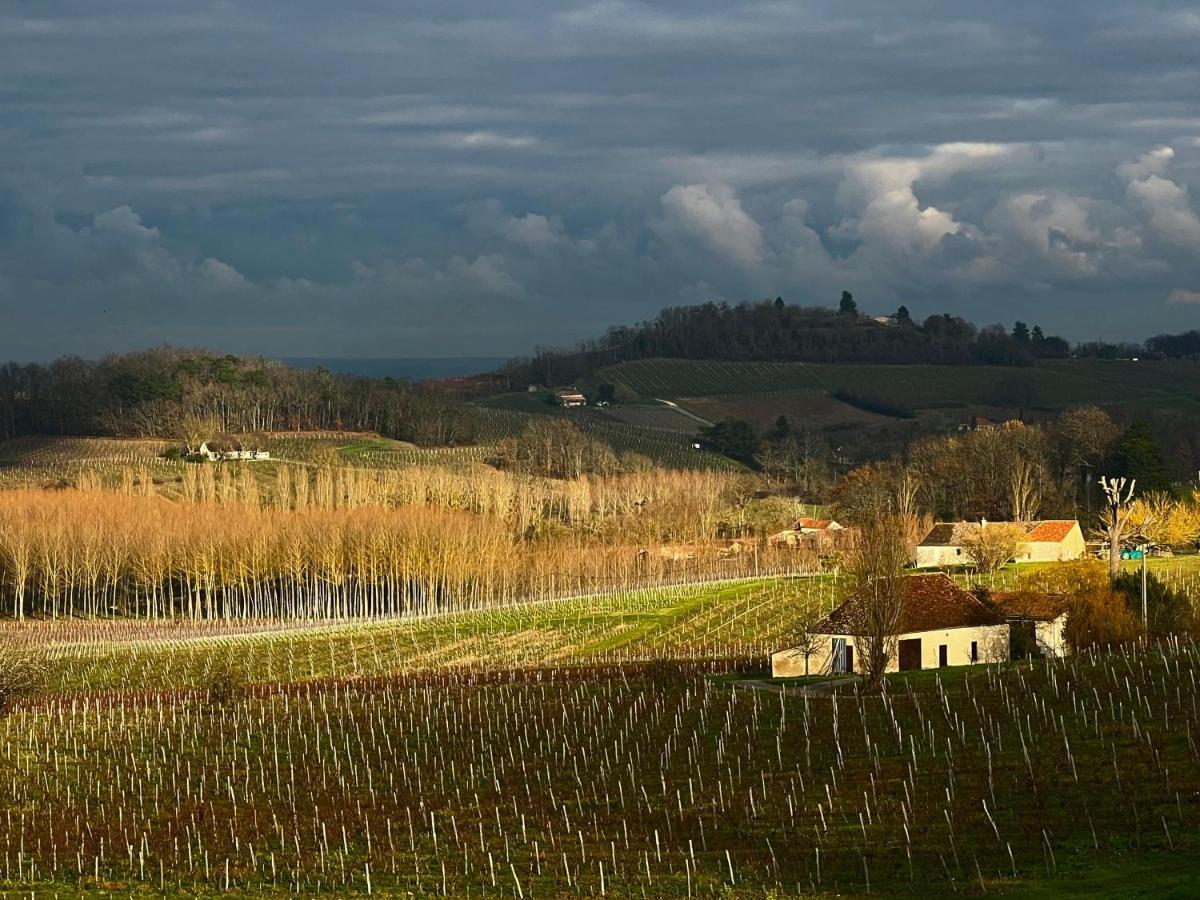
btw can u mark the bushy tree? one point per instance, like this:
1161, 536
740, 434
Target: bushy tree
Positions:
991, 546
1099, 617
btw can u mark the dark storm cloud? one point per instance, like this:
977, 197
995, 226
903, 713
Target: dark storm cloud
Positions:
475, 178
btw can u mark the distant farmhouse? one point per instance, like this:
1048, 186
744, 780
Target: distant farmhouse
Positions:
218, 451
791, 537
940, 624
571, 398
1049, 540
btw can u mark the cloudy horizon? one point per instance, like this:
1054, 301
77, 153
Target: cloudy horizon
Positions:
453, 179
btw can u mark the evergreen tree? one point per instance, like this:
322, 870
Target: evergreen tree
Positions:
847, 306
1020, 332
1137, 455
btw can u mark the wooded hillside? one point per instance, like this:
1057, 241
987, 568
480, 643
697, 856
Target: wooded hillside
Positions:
165, 391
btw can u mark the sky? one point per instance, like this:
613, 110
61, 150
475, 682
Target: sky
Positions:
463, 177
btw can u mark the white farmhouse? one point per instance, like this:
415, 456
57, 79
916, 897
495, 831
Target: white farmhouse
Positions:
217, 451
940, 624
1048, 540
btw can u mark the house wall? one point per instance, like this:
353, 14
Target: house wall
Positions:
1050, 638
1071, 547
940, 555
992, 641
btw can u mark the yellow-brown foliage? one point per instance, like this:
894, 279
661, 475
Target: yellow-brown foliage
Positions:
227, 555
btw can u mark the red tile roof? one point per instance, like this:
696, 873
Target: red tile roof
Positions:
1053, 531
955, 534
928, 603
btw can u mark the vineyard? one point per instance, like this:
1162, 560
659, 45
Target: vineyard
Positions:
1051, 385
661, 434
658, 778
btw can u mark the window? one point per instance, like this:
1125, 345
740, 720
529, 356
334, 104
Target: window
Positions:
974, 651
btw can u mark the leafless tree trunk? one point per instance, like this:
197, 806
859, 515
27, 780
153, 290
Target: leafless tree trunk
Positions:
1118, 492
877, 570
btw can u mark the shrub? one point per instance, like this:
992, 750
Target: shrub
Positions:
1168, 611
22, 672
1099, 617
223, 685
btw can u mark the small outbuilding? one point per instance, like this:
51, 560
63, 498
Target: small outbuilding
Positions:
571, 398
1047, 540
940, 624
1037, 622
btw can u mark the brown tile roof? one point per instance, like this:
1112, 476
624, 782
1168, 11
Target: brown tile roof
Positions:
1029, 605
929, 603
954, 534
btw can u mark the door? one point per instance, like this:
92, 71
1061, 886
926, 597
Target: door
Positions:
837, 658
910, 654
943, 656
850, 658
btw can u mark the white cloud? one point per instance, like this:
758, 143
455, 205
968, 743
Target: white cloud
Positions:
713, 215
1153, 162
124, 222
1187, 298
1057, 228
885, 211
1165, 203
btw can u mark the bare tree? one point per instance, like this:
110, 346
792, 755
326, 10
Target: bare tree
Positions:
805, 638
1025, 488
991, 545
1116, 518
877, 570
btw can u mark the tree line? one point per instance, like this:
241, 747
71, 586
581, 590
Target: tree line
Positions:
154, 393
775, 330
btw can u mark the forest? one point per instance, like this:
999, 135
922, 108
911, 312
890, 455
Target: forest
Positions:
166, 391
775, 330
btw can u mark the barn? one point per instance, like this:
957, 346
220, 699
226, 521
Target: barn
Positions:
941, 624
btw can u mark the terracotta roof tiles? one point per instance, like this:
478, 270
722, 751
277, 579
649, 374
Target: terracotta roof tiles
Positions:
929, 603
